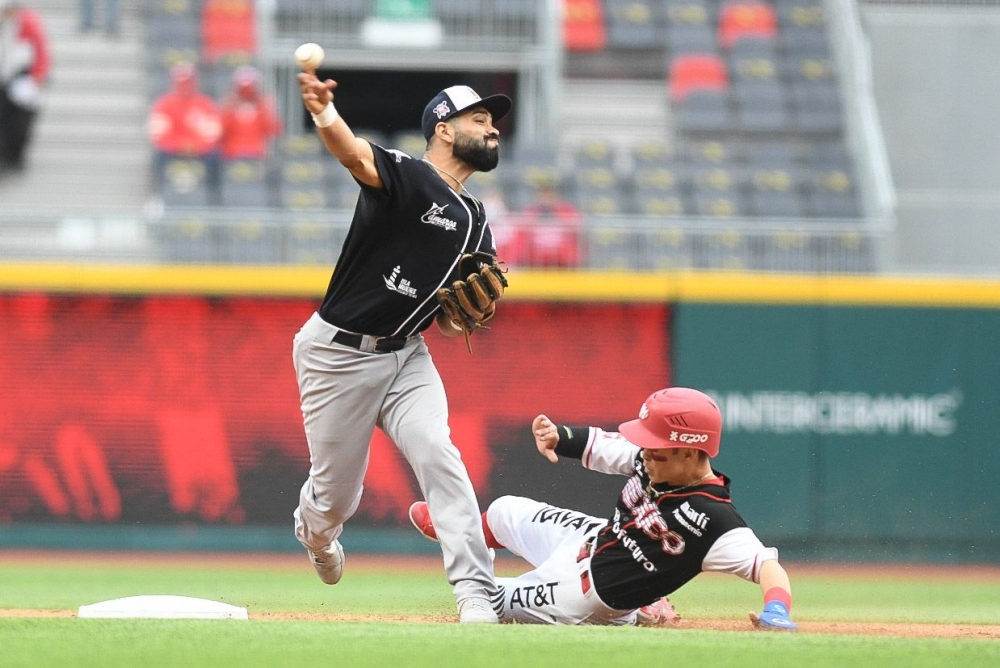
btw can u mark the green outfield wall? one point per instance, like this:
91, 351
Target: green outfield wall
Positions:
860, 412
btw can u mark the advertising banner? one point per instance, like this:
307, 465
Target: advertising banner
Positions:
854, 425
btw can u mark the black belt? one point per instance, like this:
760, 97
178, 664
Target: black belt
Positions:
370, 344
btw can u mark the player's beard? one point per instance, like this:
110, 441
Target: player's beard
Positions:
477, 153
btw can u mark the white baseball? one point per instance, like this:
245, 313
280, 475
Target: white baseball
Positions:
309, 55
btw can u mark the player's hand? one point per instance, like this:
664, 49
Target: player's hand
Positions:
773, 618
316, 94
546, 437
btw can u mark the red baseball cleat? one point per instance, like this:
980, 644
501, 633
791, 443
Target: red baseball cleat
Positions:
421, 519
658, 613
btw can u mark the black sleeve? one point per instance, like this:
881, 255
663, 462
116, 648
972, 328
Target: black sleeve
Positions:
572, 441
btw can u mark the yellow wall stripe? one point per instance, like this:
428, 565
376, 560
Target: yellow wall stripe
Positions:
525, 285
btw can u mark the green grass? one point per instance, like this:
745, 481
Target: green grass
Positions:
67, 642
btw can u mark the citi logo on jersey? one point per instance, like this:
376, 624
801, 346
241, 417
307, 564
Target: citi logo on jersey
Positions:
403, 287
434, 217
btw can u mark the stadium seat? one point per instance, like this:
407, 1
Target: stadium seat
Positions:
228, 30
788, 251
244, 183
312, 240
185, 182
611, 248
303, 183
689, 26
187, 239
816, 106
594, 152
802, 23
712, 152
631, 25
667, 249
703, 111
250, 241
690, 38
738, 18
832, 193
726, 249
760, 106
583, 25
696, 72
754, 59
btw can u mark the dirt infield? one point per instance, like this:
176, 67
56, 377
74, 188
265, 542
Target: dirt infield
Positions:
830, 628
295, 562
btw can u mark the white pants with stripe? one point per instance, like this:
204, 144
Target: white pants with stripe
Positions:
560, 588
345, 394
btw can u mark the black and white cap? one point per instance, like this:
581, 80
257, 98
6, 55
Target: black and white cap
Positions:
456, 99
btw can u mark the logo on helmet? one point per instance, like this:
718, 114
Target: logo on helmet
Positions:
643, 412
688, 438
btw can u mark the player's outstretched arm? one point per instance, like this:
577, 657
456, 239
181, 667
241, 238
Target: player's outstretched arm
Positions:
777, 590
546, 437
353, 153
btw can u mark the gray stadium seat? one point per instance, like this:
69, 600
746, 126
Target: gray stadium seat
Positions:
185, 182
631, 24
250, 241
760, 106
704, 111
244, 183
816, 106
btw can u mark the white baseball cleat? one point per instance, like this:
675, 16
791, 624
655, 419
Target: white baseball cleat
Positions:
476, 611
328, 562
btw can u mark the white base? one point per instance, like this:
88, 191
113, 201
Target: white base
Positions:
161, 607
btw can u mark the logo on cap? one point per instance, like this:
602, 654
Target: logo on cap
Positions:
643, 412
442, 109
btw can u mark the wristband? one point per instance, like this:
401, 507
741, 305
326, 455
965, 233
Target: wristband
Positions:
572, 441
326, 118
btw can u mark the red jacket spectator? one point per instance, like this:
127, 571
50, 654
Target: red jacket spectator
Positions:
29, 50
549, 233
184, 121
24, 70
249, 118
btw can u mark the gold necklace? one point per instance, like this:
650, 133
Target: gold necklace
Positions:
460, 184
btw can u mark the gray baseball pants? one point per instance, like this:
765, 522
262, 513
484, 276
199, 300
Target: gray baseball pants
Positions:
345, 394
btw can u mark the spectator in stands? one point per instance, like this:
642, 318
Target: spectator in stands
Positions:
184, 122
249, 118
24, 70
505, 232
549, 232
87, 18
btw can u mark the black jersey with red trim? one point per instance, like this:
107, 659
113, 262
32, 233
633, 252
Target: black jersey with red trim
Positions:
403, 245
659, 537
657, 541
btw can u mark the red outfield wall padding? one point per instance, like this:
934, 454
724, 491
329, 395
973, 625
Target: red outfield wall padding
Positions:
166, 409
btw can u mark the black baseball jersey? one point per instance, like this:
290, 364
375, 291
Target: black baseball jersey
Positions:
403, 245
660, 538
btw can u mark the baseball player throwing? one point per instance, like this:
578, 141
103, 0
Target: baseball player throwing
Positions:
673, 519
361, 360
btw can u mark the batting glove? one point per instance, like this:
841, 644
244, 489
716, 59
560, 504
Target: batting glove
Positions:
774, 618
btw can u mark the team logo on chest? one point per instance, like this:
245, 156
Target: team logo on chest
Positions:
434, 217
400, 285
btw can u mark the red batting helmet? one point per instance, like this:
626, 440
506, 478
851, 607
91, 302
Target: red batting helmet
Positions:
677, 417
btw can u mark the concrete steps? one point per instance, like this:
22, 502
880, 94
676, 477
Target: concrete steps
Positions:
89, 148
626, 110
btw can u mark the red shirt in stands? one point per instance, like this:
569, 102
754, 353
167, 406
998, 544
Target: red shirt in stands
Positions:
549, 234
184, 121
249, 118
